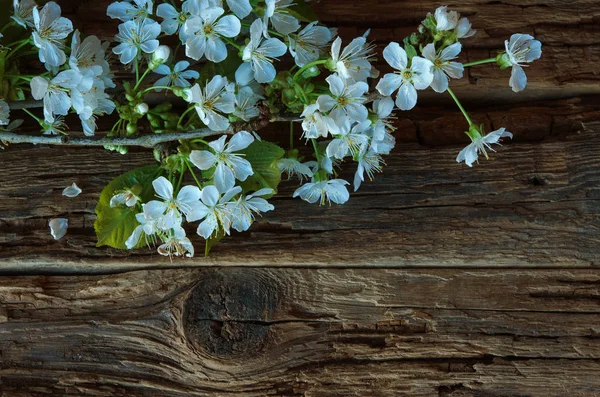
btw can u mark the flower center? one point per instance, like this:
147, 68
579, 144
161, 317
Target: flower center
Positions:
438, 63
407, 75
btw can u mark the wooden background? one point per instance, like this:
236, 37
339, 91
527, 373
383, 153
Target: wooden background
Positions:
434, 280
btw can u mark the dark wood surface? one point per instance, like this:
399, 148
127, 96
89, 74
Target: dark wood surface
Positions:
433, 280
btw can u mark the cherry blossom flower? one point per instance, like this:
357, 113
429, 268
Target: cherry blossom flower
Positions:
215, 211
280, 18
258, 57
178, 76
463, 29
521, 48
136, 36
229, 165
480, 144
294, 168
211, 103
50, 31
58, 227
443, 65
306, 46
168, 210
369, 161
408, 79
177, 244
345, 102
246, 104
55, 92
71, 191
244, 209
446, 20
126, 11
23, 12
126, 197
87, 55
349, 141
315, 124
204, 34
353, 61
173, 20
148, 225
333, 190
4, 113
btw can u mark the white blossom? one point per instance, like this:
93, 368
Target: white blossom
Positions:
148, 225
294, 168
481, 144
177, 244
349, 141
4, 113
23, 12
306, 46
211, 103
204, 34
56, 127
71, 191
382, 107
408, 79
215, 211
58, 227
446, 20
333, 190
127, 11
178, 76
136, 36
345, 102
443, 66
463, 29
126, 197
168, 210
55, 92
369, 161
87, 55
244, 209
246, 104
277, 13
353, 61
521, 48
315, 124
50, 31
229, 165
258, 57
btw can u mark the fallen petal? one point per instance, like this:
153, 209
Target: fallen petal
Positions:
72, 191
58, 227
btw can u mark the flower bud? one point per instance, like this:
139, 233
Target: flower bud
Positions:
141, 108
159, 56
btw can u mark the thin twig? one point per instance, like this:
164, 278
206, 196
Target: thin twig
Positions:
146, 141
18, 105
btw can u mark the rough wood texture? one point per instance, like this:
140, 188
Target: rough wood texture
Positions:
292, 332
531, 205
434, 280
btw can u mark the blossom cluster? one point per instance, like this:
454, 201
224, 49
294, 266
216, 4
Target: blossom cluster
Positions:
224, 68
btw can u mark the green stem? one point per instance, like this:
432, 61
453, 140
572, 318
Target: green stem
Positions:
17, 48
137, 84
183, 115
156, 87
308, 66
32, 115
462, 109
9, 24
490, 60
233, 43
317, 155
14, 76
291, 134
189, 166
181, 175
137, 70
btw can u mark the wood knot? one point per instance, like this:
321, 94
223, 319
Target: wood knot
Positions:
228, 313
538, 180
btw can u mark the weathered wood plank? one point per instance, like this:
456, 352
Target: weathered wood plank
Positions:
532, 205
294, 332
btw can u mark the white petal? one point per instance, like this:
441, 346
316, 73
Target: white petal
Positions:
389, 83
422, 72
224, 178
203, 159
163, 188
239, 141
395, 56
72, 191
228, 26
440, 81
518, 79
407, 97
58, 227
210, 196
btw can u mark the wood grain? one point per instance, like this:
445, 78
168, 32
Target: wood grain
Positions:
294, 332
532, 205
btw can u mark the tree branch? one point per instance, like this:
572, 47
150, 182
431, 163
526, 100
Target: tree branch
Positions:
146, 141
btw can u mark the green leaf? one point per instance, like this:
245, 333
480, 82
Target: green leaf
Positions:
114, 225
263, 156
303, 11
